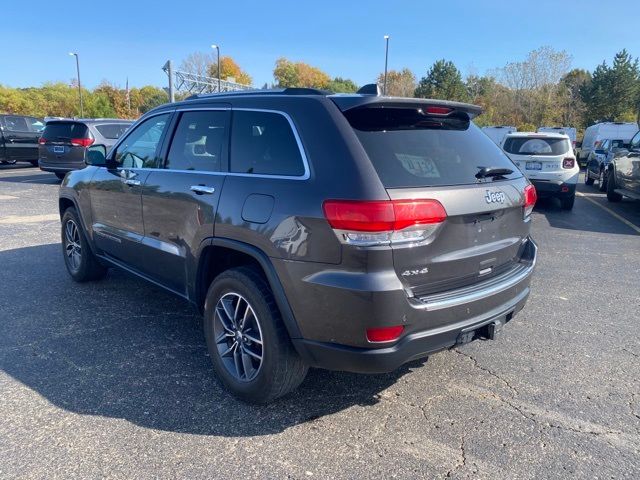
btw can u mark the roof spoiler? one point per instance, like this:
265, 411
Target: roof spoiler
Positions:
370, 89
347, 102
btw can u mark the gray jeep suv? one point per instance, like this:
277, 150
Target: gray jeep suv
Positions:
347, 232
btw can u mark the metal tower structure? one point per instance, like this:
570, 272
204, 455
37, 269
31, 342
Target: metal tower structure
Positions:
193, 84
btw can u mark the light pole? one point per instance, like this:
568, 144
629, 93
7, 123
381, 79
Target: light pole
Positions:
386, 58
218, 50
73, 54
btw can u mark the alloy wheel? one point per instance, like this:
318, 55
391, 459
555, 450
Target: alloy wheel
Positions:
72, 245
238, 337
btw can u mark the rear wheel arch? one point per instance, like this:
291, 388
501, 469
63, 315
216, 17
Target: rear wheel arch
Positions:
221, 255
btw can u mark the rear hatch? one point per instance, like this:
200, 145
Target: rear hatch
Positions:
64, 143
437, 153
538, 156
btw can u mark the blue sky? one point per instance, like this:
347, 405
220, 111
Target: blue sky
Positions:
118, 39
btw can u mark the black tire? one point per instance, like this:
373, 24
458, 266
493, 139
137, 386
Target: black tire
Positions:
567, 203
8, 162
602, 180
612, 196
34, 163
60, 175
587, 179
86, 266
280, 369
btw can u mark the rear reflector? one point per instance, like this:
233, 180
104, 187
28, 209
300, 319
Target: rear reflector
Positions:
568, 162
42, 141
81, 142
530, 198
367, 223
384, 334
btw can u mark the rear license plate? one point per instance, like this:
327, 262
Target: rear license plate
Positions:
534, 166
57, 149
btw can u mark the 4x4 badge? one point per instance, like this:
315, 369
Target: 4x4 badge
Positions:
494, 197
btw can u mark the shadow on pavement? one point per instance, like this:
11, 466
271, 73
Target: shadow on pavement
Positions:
122, 348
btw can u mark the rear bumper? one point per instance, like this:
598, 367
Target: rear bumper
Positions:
60, 167
431, 323
554, 188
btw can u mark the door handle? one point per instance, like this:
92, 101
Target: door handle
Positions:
132, 182
202, 189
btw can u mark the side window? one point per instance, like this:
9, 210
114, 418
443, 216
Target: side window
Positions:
140, 148
199, 142
263, 143
35, 124
635, 141
15, 124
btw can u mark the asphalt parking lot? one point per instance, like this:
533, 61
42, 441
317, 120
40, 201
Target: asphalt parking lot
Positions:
112, 378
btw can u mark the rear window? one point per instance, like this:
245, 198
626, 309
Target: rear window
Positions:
410, 149
112, 130
64, 130
537, 146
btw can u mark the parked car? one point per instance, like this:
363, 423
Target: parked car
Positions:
348, 232
497, 133
64, 143
571, 132
623, 179
19, 136
599, 160
548, 161
595, 134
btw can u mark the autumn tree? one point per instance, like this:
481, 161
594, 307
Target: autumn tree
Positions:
299, 74
443, 81
400, 83
230, 70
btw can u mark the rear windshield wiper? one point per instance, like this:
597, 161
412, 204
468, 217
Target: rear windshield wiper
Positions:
486, 172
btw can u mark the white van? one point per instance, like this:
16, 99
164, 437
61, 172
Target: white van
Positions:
547, 160
602, 131
571, 132
498, 133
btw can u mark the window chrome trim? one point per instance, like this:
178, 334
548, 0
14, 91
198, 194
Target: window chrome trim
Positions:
305, 161
130, 130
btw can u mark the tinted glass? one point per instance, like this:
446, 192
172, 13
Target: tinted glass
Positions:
537, 146
140, 148
199, 142
35, 124
16, 124
112, 130
56, 131
635, 141
410, 149
263, 143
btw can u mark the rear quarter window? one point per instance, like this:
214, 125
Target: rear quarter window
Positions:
112, 131
409, 149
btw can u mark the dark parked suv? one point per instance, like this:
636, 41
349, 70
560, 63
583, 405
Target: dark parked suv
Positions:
64, 143
623, 172
19, 136
348, 232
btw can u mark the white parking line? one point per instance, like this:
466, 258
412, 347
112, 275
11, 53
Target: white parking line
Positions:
16, 219
611, 212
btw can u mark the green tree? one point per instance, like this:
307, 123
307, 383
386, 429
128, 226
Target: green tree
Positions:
443, 81
299, 74
342, 85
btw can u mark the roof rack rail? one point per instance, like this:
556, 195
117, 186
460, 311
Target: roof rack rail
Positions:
269, 91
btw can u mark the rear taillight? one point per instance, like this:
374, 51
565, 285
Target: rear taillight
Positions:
439, 110
568, 163
530, 197
81, 142
367, 223
384, 334
42, 141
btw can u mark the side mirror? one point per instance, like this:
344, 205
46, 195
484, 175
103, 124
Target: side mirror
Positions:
97, 155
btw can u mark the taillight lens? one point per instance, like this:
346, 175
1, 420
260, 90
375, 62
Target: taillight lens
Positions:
568, 163
42, 141
530, 197
438, 110
384, 334
81, 142
384, 222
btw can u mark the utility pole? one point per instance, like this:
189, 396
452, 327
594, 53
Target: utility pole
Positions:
386, 58
218, 50
168, 68
79, 85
